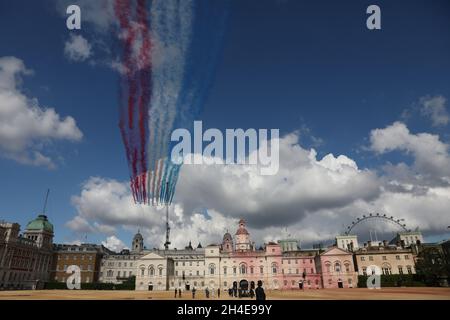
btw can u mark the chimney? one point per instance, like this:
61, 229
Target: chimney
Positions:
385, 243
365, 244
369, 243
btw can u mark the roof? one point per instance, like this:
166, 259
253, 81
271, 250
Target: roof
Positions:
227, 236
40, 223
242, 231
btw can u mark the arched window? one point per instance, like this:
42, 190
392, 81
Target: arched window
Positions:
151, 271
328, 267
142, 272
386, 268
243, 269
347, 267
160, 270
337, 267
274, 268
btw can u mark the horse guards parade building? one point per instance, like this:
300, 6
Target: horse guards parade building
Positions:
29, 260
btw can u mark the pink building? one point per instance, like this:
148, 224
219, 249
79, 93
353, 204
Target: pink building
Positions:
299, 271
337, 269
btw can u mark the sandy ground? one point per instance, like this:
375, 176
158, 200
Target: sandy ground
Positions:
327, 294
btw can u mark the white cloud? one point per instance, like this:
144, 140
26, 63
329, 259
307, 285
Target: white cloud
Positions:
115, 244
434, 108
303, 185
431, 155
77, 48
26, 127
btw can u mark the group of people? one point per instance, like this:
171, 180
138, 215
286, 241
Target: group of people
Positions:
258, 292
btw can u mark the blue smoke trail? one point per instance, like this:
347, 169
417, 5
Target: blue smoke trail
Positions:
187, 37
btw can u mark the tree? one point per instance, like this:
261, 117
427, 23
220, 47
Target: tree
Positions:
432, 267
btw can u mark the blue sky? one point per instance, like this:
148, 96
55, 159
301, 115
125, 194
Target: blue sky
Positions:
310, 67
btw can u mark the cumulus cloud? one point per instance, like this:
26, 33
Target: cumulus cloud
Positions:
430, 154
26, 127
77, 48
115, 244
304, 185
434, 108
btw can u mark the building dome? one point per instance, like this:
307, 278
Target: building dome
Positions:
138, 236
242, 231
227, 237
40, 223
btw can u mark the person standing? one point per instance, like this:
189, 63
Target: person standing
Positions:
193, 292
260, 294
179, 292
218, 293
176, 292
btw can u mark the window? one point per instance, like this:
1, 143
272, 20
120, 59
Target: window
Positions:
224, 283
274, 268
363, 258
251, 270
224, 270
261, 270
337, 267
160, 272
384, 258
312, 270
400, 270
364, 270
406, 257
347, 267
397, 257
151, 271
212, 268
243, 269
176, 264
409, 269
118, 273
234, 270
387, 271
198, 273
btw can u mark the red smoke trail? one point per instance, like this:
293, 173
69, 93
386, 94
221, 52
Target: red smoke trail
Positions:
145, 83
138, 82
122, 10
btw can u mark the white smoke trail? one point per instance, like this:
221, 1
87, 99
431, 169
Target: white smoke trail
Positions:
171, 25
